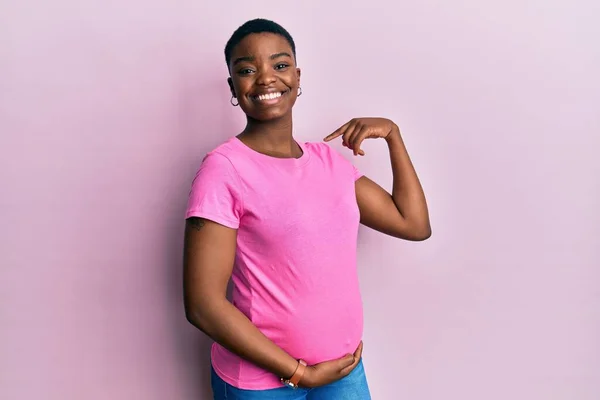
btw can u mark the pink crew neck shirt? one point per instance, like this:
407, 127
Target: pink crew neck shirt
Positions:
295, 271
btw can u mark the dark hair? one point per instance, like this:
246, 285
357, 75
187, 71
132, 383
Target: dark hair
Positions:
258, 25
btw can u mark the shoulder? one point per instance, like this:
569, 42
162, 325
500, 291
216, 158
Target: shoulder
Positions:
325, 151
320, 149
332, 158
217, 168
225, 150
220, 158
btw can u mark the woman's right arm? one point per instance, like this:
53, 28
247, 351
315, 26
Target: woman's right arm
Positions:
209, 253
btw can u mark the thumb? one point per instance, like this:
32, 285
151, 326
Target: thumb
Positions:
346, 361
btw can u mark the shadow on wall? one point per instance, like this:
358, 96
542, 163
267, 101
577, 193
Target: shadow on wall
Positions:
206, 118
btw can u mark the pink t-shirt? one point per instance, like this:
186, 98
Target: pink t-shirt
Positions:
295, 272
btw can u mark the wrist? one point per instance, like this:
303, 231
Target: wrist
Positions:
297, 376
290, 369
393, 135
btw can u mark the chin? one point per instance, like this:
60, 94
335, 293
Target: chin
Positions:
265, 117
268, 115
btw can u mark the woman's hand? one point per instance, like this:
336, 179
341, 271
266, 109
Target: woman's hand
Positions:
331, 371
358, 129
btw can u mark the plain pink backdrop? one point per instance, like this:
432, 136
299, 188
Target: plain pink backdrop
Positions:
106, 109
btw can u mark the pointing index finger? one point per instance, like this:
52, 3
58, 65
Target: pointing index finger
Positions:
337, 133
333, 135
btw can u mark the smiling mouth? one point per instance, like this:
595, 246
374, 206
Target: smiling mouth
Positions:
269, 97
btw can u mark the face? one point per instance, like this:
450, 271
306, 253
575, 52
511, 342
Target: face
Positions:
264, 77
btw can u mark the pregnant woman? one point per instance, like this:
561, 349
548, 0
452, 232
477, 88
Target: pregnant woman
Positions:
279, 218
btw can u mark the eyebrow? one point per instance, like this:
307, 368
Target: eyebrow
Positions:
250, 58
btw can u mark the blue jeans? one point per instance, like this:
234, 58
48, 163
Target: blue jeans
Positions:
352, 387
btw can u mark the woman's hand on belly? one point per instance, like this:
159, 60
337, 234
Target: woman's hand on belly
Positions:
331, 371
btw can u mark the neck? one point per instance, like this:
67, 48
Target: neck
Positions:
275, 136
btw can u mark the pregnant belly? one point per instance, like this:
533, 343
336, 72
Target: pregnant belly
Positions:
312, 331
317, 331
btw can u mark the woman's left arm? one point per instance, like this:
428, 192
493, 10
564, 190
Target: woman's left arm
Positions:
402, 214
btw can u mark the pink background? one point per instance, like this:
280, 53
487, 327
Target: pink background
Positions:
107, 107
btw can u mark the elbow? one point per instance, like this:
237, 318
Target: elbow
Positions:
195, 316
202, 314
421, 233
413, 232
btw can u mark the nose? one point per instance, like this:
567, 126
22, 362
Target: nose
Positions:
266, 76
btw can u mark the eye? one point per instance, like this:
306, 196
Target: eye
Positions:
244, 71
281, 66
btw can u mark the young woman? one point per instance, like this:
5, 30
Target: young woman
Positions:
280, 219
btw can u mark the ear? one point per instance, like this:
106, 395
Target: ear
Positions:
298, 73
230, 83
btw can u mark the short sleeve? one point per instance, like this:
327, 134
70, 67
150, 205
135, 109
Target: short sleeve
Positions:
216, 192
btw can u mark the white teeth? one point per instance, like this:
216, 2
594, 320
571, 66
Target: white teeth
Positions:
269, 96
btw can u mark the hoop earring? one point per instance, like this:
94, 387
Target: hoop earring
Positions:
299, 91
232, 103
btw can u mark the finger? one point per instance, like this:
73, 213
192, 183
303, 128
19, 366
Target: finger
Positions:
345, 362
356, 357
348, 133
352, 137
349, 368
359, 350
357, 138
338, 132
